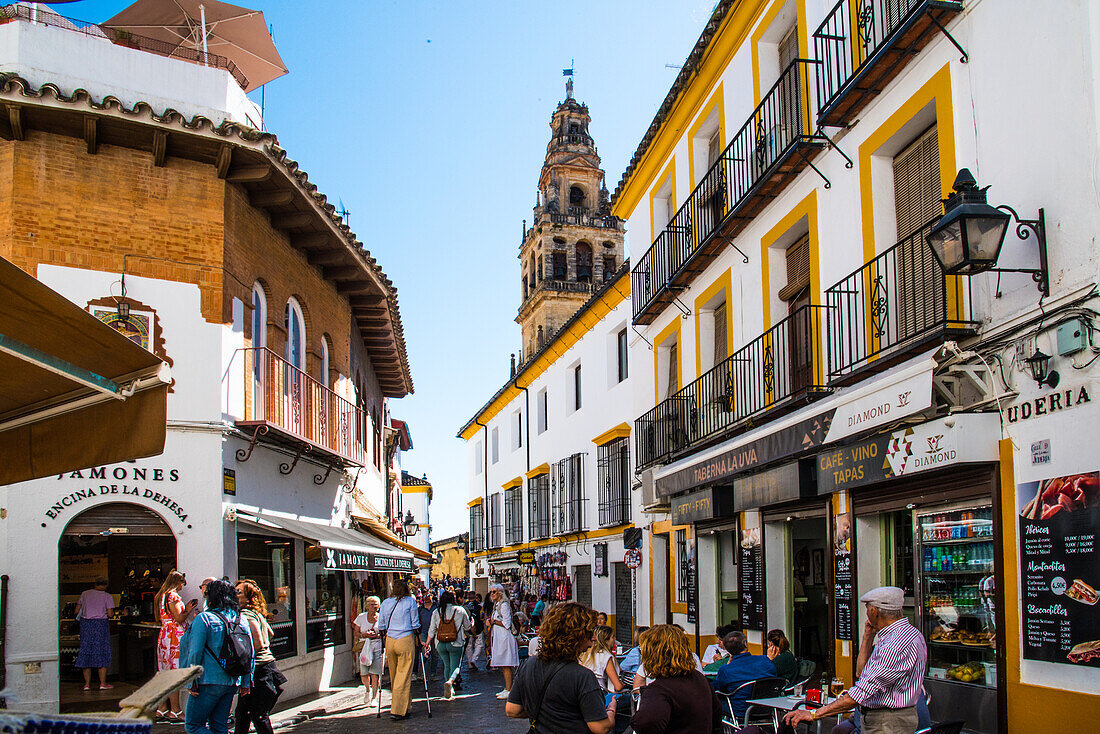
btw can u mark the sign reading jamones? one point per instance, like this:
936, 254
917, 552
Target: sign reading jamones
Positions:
348, 560
126, 487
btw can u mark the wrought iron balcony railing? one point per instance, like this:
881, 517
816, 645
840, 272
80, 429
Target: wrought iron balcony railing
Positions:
892, 306
862, 44
284, 398
613, 492
768, 376
538, 507
767, 152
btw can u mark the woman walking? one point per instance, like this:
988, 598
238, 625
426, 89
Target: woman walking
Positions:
449, 626
212, 695
267, 680
505, 649
601, 661
173, 614
552, 689
372, 657
93, 612
399, 619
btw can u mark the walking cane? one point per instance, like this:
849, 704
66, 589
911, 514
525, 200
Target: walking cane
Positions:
380, 675
424, 670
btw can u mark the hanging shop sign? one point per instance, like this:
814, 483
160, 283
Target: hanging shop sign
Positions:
633, 559
1051, 402
526, 557
703, 504
750, 578
1060, 568
961, 439
600, 560
843, 585
338, 559
692, 573
131, 481
790, 481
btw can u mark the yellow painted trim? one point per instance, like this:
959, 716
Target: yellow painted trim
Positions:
662, 526
805, 208
538, 471
661, 338
652, 591
668, 176
516, 482
718, 98
474, 503
620, 431
722, 282
562, 342
416, 490
719, 53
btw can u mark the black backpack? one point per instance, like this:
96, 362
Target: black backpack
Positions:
236, 653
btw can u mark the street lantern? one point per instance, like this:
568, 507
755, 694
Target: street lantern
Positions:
967, 240
1039, 364
409, 524
462, 542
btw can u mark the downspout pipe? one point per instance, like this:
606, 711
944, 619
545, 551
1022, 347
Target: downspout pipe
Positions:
485, 474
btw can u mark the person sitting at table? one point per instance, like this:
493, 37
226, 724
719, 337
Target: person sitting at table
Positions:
742, 668
633, 658
716, 655
779, 652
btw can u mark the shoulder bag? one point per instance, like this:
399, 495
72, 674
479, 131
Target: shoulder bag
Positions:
538, 709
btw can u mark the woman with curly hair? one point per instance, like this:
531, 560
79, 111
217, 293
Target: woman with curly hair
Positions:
552, 689
678, 699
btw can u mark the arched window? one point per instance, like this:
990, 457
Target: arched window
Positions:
259, 316
576, 196
324, 361
584, 262
295, 334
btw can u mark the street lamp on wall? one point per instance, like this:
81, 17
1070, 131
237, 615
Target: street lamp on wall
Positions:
1039, 364
463, 542
968, 238
409, 524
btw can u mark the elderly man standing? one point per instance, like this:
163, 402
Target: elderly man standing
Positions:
891, 665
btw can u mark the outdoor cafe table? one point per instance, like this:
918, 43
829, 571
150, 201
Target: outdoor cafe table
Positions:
779, 705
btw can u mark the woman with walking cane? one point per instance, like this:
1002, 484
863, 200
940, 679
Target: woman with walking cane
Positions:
399, 620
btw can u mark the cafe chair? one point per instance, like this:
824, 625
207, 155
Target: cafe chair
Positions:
760, 688
944, 727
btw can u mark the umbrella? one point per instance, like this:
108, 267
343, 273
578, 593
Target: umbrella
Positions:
210, 26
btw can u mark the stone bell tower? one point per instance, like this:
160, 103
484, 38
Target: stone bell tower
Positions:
574, 245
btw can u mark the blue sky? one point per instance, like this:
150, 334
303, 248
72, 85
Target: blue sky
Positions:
429, 120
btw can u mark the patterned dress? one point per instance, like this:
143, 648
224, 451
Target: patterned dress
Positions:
168, 642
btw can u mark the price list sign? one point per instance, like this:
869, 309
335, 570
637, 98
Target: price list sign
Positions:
750, 575
842, 576
1060, 569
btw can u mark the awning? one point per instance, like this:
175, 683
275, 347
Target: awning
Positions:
345, 549
876, 402
74, 392
383, 533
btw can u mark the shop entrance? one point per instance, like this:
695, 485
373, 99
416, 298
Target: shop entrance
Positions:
134, 549
810, 609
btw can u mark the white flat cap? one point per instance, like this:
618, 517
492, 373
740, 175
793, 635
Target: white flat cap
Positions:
890, 598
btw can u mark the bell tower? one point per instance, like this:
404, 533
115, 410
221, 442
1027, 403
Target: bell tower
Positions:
574, 245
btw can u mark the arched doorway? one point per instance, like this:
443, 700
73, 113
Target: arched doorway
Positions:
134, 549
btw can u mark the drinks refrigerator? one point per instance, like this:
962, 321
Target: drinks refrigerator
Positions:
955, 609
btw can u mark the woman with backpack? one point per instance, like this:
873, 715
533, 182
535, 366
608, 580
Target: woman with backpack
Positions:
448, 629
267, 680
218, 642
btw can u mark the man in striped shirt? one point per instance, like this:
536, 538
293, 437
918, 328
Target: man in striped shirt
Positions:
890, 668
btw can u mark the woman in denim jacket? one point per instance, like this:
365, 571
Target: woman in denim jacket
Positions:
212, 695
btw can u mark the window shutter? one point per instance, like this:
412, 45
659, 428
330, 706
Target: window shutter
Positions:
798, 269
721, 350
673, 377
714, 148
788, 49
916, 202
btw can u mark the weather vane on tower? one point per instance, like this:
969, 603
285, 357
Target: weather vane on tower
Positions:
569, 82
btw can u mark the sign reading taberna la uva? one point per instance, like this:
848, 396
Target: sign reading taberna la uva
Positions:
117, 483
340, 559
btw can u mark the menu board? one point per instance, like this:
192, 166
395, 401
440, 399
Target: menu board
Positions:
693, 586
750, 576
842, 575
1060, 568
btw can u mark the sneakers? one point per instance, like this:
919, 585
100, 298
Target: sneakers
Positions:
448, 690
503, 695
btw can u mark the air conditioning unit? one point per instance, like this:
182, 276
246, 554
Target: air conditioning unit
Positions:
649, 490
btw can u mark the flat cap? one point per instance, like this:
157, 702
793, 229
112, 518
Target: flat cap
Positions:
890, 598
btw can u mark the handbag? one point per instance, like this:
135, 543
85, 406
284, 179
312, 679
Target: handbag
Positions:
534, 719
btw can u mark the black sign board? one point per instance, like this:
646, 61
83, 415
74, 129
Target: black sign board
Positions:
704, 504
600, 560
750, 577
1059, 558
693, 583
283, 644
790, 441
790, 481
338, 559
843, 573
526, 557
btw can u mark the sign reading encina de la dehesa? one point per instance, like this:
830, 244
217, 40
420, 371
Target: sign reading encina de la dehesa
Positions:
119, 482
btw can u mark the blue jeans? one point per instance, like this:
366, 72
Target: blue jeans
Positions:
452, 657
209, 711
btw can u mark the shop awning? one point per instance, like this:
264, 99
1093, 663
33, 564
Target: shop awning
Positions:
74, 392
345, 549
383, 533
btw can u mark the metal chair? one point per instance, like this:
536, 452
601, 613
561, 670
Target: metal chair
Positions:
944, 727
762, 688
806, 668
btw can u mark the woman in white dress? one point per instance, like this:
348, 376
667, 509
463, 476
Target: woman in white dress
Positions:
504, 646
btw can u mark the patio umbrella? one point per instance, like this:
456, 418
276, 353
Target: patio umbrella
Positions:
209, 26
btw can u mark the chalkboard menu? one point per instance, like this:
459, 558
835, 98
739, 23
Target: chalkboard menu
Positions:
750, 576
842, 577
1060, 569
693, 589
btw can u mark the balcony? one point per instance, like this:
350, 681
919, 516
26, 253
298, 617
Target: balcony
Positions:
538, 507
766, 154
771, 375
286, 401
567, 495
863, 44
892, 307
